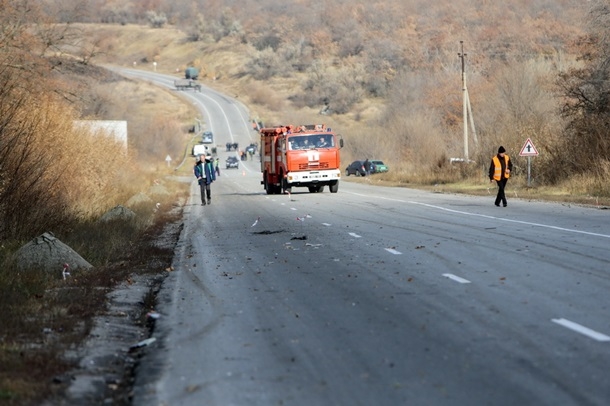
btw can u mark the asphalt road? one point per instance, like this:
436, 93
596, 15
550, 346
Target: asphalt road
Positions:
378, 296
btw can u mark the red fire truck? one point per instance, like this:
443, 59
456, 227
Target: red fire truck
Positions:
300, 156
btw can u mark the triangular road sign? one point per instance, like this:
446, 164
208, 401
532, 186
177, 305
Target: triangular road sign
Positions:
528, 149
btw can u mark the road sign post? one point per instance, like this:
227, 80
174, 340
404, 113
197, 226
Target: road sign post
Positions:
529, 150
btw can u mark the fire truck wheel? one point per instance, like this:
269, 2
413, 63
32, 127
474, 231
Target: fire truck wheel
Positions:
334, 187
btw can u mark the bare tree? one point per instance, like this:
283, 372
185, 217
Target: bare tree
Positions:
587, 94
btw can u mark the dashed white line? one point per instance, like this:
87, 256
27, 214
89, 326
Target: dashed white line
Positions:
455, 278
393, 251
326, 224
581, 329
355, 235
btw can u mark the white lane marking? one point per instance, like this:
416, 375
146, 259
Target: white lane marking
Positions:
581, 329
455, 278
326, 224
393, 251
354, 235
570, 230
292, 208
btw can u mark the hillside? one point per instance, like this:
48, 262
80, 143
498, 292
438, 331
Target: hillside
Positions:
392, 69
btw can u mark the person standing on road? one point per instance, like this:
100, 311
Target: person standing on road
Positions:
499, 170
204, 172
199, 173
217, 166
210, 176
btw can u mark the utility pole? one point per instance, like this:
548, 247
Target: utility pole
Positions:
462, 56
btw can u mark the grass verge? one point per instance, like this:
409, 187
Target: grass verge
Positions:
45, 317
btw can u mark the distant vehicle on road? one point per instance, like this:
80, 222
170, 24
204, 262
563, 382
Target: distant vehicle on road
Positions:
200, 149
208, 137
191, 73
186, 84
232, 162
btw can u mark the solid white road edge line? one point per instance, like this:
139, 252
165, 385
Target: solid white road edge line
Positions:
529, 223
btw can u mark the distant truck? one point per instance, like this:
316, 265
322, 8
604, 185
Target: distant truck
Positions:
301, 156
186, 84
191, 73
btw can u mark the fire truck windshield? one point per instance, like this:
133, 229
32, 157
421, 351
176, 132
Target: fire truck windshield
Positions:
310, 141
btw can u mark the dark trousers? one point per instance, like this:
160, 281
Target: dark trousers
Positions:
501, 197
205, 191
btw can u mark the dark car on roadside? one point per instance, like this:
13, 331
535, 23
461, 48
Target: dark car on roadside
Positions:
232, 162
355, 168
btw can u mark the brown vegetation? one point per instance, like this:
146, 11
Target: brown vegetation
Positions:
392, 69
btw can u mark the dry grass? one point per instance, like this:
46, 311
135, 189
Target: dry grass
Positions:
43, 317
482, 187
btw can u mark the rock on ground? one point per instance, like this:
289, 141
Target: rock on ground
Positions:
49, 254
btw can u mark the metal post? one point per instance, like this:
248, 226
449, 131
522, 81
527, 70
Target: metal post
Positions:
529, 172
462, 56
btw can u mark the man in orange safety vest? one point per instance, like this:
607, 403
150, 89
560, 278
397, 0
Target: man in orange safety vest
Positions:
499, 170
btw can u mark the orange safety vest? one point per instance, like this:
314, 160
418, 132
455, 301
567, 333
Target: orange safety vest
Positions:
498, 167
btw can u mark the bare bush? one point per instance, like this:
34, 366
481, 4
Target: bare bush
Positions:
299, 54
587, 94
337, 89
227, 25
265, 64
522, 105
156, 20
270, 40
198, 30
264, 96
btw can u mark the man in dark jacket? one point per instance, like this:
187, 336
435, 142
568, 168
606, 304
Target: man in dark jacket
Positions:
205, 174
499, 170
